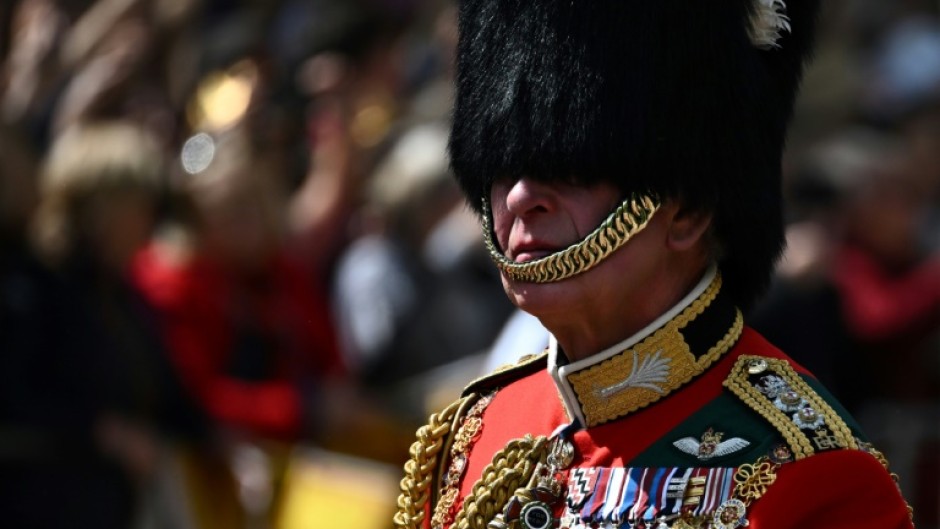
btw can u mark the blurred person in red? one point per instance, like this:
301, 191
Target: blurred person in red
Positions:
888, 267
887, 271
248, 329
860, 271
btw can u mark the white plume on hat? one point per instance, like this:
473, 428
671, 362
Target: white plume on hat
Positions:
768, 23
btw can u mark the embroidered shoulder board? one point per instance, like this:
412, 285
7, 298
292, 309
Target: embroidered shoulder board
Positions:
772, 388
526, 365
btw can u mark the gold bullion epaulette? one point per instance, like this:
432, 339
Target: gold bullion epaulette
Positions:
503, 375
772, 388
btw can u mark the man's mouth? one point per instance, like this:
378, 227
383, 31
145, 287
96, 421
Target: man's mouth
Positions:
524, 253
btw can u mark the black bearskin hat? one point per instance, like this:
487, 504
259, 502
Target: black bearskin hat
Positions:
679, 98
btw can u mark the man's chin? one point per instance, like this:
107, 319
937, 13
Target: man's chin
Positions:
536, 298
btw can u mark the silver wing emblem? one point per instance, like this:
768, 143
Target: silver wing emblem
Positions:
689, 445
710, 446
730, 446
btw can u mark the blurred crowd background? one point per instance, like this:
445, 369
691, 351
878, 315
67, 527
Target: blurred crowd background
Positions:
235, 274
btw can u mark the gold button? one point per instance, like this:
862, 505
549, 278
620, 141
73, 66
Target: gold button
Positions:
756, 367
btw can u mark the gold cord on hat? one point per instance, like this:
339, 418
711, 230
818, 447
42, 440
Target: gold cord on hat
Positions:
627, 220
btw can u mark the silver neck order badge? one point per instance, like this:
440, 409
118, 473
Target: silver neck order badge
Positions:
630, 217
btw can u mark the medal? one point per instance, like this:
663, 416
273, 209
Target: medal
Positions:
730, 515
534, 507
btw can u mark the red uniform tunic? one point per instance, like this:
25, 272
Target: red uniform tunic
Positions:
668, 425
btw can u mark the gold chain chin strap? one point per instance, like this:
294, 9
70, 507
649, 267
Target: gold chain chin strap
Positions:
627, 220
420, 469
511, 468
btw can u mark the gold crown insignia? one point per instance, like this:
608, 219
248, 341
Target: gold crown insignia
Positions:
712, 437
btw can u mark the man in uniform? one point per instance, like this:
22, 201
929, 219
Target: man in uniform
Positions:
624, 157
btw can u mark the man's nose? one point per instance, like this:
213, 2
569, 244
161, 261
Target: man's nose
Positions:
527, 196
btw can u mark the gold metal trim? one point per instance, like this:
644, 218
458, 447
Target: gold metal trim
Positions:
459, 451
753, 480
627, 220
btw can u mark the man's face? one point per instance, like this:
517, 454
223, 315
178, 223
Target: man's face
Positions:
532, 219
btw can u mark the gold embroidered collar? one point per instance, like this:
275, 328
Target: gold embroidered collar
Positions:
653, 363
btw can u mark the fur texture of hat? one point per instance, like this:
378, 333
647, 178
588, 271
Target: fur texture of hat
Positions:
671, 97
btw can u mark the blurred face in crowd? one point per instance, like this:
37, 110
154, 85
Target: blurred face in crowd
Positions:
887, 217
240, 226
532, 219
117, 224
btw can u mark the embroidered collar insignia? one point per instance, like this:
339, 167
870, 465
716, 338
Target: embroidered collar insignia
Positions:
651, 373
622, 380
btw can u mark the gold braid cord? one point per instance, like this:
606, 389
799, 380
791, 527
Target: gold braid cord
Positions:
511, 468
739, 384
420, 469
627, 220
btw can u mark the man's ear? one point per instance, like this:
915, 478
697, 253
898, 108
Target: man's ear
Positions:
687, 227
